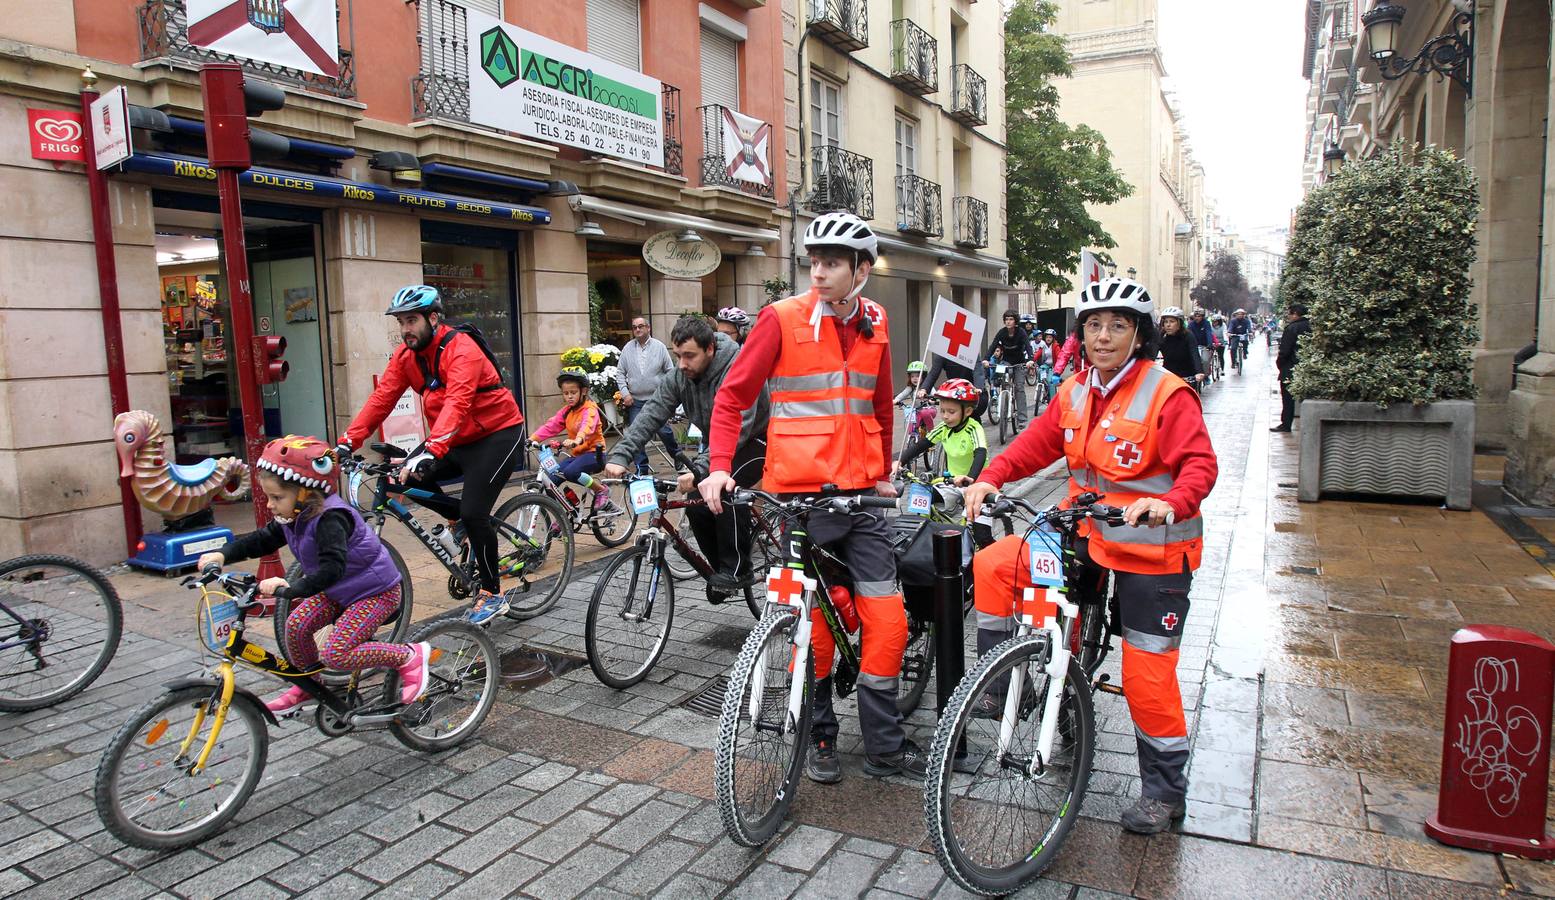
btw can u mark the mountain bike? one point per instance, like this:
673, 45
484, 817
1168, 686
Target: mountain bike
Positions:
612, 525
185, 763
534, 541
1238, 351
60, 621
633, 604
999, 820
764, 724
1043, 389
1001, 400
925, 462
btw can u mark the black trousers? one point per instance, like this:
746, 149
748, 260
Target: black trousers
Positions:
1287, 402
725, 539
485, 465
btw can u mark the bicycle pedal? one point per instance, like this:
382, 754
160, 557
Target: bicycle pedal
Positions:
1107, 687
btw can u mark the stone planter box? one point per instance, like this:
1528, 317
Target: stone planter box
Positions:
1416, 451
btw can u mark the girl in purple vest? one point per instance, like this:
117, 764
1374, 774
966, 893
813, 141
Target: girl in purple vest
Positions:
347, 578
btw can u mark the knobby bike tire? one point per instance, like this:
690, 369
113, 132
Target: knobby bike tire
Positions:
466, 664
1005, 410
111, 628
118, 804
542, 514
611, 633
390, 632
753, 824
993, 404
952, 817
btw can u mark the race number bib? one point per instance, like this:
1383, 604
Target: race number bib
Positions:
1047, 566
219, 619
919, 499
644, 498
548, 462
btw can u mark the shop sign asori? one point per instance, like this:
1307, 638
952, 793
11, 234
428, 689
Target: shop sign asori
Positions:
534, 86
681, 259
55, 134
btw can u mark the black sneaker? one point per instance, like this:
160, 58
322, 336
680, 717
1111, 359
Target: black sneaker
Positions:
908, 762
723, 582
822, 765
715, 596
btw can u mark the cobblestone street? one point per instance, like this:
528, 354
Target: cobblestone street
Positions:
1312, 670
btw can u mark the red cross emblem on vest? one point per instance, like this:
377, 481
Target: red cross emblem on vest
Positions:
956, 334
786, 586
1169, 621
876, 314
1127, 454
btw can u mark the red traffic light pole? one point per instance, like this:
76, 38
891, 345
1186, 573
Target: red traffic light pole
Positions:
226, 145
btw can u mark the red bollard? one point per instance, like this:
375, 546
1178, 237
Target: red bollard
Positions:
1496, 743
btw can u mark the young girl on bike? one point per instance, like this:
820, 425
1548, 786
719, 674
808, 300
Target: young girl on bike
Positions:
907, 396
347, 578
584, 426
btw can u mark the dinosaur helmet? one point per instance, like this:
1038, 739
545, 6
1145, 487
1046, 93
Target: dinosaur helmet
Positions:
300, 459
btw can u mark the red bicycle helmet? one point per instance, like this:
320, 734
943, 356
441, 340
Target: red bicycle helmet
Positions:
300, 459
957, 389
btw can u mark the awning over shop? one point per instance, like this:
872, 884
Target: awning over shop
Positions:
317, 186
630, 212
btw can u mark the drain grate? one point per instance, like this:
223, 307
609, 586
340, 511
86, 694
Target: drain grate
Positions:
1306, 570
709, 699
526, 667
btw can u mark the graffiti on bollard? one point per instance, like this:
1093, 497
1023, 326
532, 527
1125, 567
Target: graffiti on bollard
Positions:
1496, 743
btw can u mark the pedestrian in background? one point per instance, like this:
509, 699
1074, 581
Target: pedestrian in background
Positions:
1296, 326
644, 360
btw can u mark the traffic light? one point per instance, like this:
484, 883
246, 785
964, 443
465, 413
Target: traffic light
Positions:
229, 100
268, 350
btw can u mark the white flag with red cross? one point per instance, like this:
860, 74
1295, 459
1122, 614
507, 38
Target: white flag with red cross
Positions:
1090, 270
298, 34
957, 333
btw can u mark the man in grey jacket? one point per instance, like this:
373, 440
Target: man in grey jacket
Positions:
645, 361
702, 358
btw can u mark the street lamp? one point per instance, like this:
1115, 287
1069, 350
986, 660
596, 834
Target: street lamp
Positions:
1333, 160
1112, 270
1449, 55
1132, 272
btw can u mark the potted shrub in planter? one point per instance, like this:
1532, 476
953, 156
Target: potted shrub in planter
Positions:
1380, 256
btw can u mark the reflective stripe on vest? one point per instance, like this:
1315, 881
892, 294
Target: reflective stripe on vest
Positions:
803, 409
822, 382
1150, 536
1155, 484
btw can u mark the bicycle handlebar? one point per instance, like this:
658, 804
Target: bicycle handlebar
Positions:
843, 505
242, 585
1086, 506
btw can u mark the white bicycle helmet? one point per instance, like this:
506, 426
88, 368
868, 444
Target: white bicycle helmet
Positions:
734, 316
1172, 311
1124, 294
842, 229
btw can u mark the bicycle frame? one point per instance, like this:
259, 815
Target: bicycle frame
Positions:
386, 507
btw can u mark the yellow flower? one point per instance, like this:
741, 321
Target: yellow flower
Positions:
596, 358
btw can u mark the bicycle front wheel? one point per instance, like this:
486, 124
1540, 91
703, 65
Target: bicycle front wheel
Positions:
757, 761
1004, 416
60, 621
679, 566
535, 544
629, 618
462, 672
995, 830
147, 791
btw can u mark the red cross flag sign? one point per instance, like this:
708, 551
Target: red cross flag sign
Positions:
956, 334
1090, 269
299, 34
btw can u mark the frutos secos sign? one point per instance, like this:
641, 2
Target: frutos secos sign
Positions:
524, 83
681, 259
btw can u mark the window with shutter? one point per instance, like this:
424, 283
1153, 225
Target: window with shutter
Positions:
445, 37
720, 69
615, 31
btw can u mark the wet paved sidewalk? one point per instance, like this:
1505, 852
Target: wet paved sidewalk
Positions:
1311, 669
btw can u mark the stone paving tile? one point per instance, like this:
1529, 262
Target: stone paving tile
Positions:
642, 826
321, 864
470, 853
236, 872
560, 838
393, 861
576, 874
477, 814
430, 880
692, 887
727, 861
912, 874
558, 801
501, 878
397, 823
127, 888
804, 847
646, 871
623, 798
1176, 865
841, 876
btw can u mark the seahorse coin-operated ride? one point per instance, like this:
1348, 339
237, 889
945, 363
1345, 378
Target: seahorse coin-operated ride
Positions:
182, 495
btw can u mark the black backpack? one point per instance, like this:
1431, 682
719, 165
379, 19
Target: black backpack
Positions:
432, 380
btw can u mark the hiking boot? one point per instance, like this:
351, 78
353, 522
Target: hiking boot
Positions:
288, 701
909, 762
487, 607
1152, 816
822, 765
413, 675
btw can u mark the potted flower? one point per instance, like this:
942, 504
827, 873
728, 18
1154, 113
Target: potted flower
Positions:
1380, 256
599, 361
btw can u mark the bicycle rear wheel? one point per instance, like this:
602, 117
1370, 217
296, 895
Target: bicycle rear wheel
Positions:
146, 791
629, 618
998, 828
917, 665
61, 621
757, 761
535, 544
462, 672
615, 528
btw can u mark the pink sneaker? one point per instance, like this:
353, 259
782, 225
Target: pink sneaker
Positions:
413, 675
601, 499
288, 701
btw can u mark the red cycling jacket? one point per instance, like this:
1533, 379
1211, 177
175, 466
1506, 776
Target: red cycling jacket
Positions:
470, 403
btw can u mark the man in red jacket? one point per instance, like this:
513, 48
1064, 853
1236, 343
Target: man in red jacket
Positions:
476, 428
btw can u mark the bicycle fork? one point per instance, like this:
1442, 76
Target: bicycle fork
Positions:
799, 659
1057, 669
227, 687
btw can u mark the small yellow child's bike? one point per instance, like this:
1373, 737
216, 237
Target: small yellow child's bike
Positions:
183, 766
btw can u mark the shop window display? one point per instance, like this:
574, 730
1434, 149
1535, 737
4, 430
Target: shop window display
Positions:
476, 285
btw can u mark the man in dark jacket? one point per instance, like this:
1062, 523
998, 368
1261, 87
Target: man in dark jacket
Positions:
1296, 326
702, 359
1014, 351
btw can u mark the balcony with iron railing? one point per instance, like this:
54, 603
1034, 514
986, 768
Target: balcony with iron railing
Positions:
735, 153
914, 58
441, 89
164, 34
968, 96
842, 23
842, 180
971, 216
918, 206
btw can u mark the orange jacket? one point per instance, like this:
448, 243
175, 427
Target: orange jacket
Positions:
1121, 458
823, 428
583, 423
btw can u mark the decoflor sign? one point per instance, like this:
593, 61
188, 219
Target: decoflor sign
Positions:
530, 85
681, 259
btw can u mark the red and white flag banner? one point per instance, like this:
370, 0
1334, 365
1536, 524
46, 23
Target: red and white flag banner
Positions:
1090, 269
957, 333
747, 148
298, 34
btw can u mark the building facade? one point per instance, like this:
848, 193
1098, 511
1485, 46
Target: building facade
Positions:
1496, 122
396, 168
896, 113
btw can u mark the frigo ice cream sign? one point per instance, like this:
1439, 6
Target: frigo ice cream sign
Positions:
534, 86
